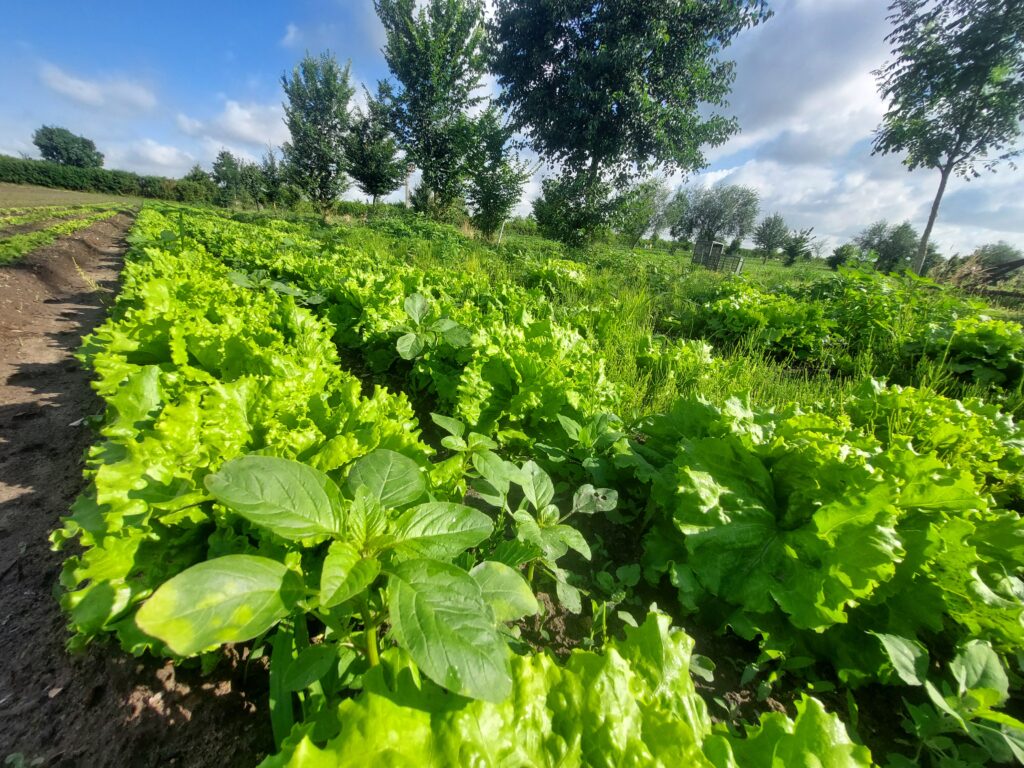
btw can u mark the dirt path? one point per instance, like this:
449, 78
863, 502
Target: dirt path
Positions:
100, 708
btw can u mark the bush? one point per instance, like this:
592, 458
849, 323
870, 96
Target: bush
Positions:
46, 174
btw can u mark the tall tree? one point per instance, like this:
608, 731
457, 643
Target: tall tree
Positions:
59, 145
227, 175
605, 88
709, 213
371, 151
798, 246
955, 89
770, 235
317, 117
895, 246
436, 54
641, 210
496, 175
273, 178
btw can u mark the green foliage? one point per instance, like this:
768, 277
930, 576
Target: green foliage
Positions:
573, 209
771, 235
46, 174
809, 530
797, 246
641, 210
436, 53
601, 89
59, 145
848, 254
709, 213
317, 117
496, 177
633, 704
371, 153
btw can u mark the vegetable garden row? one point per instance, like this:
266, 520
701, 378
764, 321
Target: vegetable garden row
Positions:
65, 221
365, 456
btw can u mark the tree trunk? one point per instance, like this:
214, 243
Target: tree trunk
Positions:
922, 251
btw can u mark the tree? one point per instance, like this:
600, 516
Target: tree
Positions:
273, 178
371, 152
770, 235
317, 117
955, 89
798, 246
437, 56
845, 254
996, 254
196, 186
713, 212
618, 86
572, 209
227, 175
496, 176
895, 246
641, 210
59, 145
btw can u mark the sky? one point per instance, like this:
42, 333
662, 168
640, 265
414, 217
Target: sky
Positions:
161, 87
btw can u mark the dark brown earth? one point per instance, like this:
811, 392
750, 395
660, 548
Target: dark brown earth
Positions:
100, 707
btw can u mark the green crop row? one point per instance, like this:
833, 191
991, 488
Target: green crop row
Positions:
15, 246
244, 490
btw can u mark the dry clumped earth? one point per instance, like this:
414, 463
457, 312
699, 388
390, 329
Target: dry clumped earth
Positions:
101, 707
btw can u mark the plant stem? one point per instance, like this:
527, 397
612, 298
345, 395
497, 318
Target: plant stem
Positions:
529, 573
371, 638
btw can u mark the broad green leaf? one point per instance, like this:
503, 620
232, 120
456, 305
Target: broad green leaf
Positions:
439, 616
536, 485
409, 345
568, 596
457, 336
588, 500
452, 426
309, 666
572, 428
495, 470
391, 478
909, 658
976, 667
286, 497
345, 574
416, 307
505, 590
225, 600
441, 530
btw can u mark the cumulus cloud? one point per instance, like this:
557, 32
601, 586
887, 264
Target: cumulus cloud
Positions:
113, 93
147, 156
249, 123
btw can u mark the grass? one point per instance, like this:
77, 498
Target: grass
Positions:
26, 195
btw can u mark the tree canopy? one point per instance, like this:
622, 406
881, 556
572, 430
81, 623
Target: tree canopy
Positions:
771, 235
955, 89
59, 145
436, 53
709, 213
316, 113
621, 84
371, 152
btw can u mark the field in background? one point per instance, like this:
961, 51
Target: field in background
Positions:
24, 195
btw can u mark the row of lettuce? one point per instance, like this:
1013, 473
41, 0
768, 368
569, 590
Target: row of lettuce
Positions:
247, 488
67, 221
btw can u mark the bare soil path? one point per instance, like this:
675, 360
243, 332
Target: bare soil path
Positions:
100, 708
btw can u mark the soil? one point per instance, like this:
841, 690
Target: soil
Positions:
100, 707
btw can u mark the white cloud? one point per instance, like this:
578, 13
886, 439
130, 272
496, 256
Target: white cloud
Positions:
113, 93
147, 156
292, 36
249, 123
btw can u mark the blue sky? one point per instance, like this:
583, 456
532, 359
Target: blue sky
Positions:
160, 87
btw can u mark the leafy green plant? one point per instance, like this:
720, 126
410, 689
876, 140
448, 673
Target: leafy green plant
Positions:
965, 702
388, 557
